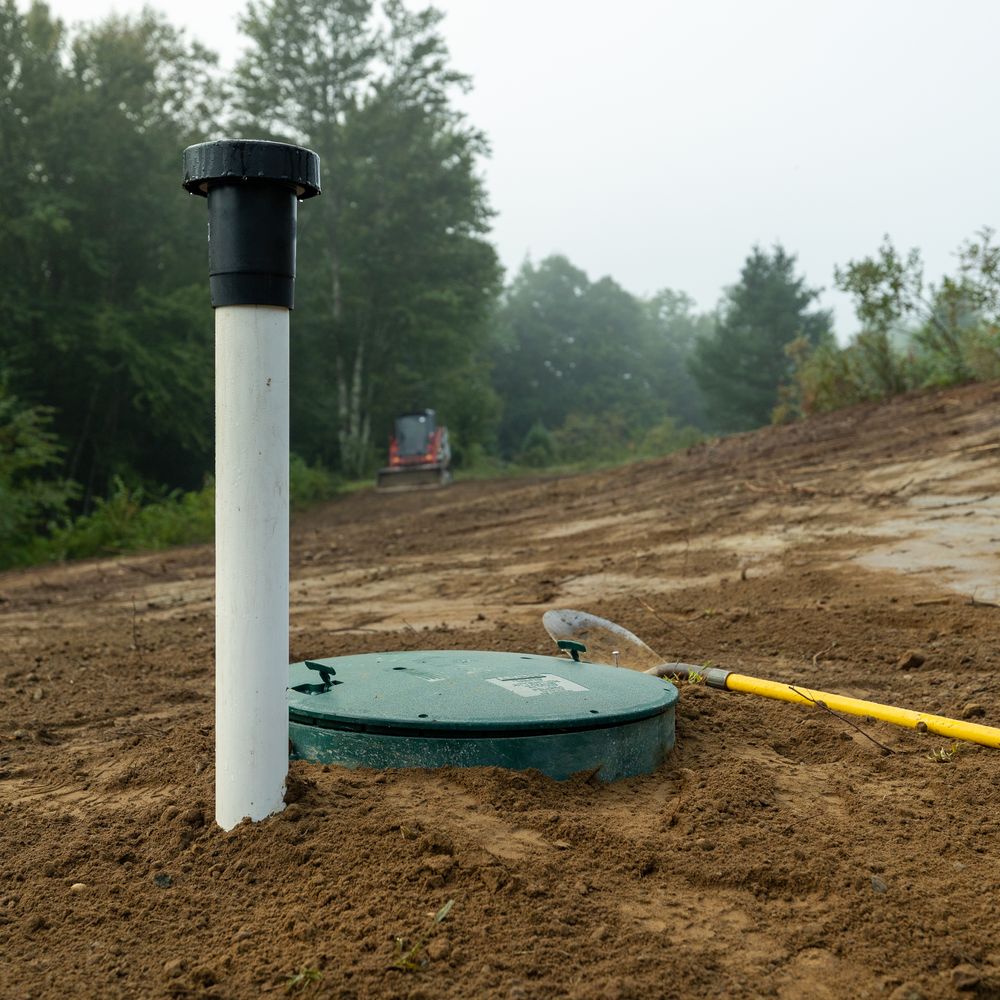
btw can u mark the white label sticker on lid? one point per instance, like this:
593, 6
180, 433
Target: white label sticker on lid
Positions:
531, 687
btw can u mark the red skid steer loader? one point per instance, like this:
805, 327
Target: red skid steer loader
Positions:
419, 456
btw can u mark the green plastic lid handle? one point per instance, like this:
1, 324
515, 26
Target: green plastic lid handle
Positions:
253, 188
572, 647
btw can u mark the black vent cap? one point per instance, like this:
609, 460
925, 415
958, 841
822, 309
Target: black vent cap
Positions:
227, 161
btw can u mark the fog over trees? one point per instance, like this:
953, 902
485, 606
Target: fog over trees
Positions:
106, 356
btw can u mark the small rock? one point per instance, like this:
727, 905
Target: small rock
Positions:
436, 842
193, 817
879, 885
965, 977
563, 845
438, 948
705, 844
163, 880
77, 887
599, 933
438, 864
242, 934
910, 660
20, 734
38, 694
493, 878
204, 977
906, 992
174, 967
973, 711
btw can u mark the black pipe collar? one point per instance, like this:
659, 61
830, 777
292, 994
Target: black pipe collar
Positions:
253, 189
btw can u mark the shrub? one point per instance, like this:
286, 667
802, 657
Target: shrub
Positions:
827, 378
538, 449
310, 484
30, 499
666, 437
129, 520
587, 438
981, 352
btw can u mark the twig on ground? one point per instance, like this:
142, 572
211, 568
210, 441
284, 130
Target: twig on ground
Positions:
780, 486
656, 615
842, 718
975, 603
960, 503
885, 494
135, 633
816, 656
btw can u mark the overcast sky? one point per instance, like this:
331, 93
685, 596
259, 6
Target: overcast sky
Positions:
657, 140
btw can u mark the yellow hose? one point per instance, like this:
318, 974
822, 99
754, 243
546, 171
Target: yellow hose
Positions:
943, 726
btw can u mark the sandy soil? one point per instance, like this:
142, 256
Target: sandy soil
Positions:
780, 851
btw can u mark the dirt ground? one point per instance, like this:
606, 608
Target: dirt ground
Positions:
779, 852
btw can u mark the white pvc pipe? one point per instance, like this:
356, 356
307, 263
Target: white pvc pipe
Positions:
251, 562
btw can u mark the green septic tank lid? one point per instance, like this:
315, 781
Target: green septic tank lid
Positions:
468, 692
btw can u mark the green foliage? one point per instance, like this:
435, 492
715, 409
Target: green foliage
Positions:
886, 288
131, 519
306, 979
470, 409
981, 352
826, 378
106, 310
588, 358
912, 335
538, 449
128, 520
105, 302
310, 484
30, 499
742, 364
677, 329
104, 291
609, 439
396, 277
564, 345
945, 755
667, 437
594, 437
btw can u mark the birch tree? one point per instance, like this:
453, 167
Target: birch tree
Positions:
394, 267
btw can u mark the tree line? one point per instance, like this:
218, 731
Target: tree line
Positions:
106, 367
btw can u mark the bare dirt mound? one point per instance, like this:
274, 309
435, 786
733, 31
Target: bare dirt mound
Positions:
780, 851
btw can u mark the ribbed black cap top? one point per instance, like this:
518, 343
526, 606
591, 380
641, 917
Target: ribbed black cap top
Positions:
235, 160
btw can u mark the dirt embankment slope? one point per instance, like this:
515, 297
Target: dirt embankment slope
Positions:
779, 851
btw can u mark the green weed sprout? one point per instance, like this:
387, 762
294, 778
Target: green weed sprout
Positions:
944, 755
410, 959
302, 979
